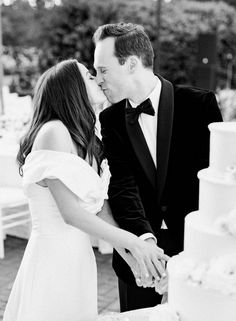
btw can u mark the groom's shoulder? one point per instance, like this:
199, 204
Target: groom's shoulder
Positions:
191, 92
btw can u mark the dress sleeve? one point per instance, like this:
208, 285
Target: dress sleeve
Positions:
71, 169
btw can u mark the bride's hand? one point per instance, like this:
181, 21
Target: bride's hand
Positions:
130, 260
135, 268
150, 258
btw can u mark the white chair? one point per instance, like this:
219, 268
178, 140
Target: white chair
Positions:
11, 198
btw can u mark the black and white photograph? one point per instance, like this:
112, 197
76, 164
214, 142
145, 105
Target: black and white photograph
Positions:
117, 160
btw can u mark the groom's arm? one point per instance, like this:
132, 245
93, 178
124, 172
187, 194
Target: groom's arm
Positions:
106, 215
124, 198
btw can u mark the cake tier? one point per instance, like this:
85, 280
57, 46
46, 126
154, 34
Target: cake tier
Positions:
222, 145
193, 299
217, 194
203, 242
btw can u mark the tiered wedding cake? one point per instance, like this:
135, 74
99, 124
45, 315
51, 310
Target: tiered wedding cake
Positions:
202, 279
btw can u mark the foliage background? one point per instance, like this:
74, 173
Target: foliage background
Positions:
36, 37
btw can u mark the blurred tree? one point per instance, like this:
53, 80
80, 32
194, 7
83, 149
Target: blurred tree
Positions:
64, 31
68, 29
230, 2
20, 39
17, 20
182, 22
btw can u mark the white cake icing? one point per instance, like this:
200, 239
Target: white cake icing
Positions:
195, 301
163, 312
202, 279
227, 224
203, 242
217, 194
222, 145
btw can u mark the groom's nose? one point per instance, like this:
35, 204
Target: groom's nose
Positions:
99, 79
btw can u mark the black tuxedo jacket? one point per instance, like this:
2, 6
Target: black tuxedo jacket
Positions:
140, 194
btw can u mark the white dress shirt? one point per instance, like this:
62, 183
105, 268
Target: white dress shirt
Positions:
148, 124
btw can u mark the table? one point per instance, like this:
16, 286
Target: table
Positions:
135, 315
9, 173
9, 176
160, 312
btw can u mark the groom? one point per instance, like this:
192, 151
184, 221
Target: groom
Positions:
156, 140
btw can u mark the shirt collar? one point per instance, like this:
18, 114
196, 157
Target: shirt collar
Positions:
154, 96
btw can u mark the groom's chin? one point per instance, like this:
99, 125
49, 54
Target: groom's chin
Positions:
113, 101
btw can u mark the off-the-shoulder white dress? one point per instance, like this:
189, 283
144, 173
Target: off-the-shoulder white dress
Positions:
57, 278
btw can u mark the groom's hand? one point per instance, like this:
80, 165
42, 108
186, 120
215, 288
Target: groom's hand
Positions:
151, 240
161, 268
161, 287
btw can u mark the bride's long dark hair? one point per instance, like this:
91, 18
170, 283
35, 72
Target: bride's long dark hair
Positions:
60, 94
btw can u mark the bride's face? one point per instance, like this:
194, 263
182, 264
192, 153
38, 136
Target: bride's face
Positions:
95, 93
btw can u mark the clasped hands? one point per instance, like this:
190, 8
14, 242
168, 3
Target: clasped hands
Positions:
154, 274
159, 282
148, 264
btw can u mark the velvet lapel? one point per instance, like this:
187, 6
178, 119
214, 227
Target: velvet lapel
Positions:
141, 149
164, 132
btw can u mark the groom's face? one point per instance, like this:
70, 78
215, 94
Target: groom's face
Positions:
112, 77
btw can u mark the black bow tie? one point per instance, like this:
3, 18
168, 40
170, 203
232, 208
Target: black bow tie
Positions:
145, 107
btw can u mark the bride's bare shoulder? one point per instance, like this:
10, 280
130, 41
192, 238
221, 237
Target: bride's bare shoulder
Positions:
53, 135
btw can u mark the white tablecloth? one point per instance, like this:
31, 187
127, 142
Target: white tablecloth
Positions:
9, 173
135, 315
9, 176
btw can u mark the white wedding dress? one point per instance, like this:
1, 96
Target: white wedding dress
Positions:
57, 278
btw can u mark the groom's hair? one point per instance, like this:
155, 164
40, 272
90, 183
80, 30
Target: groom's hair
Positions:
130, 39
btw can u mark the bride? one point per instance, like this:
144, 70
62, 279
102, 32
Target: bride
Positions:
66, 183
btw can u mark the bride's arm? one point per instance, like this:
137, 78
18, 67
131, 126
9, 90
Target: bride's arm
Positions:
106, 215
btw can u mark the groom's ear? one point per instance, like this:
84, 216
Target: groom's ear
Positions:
132, 63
